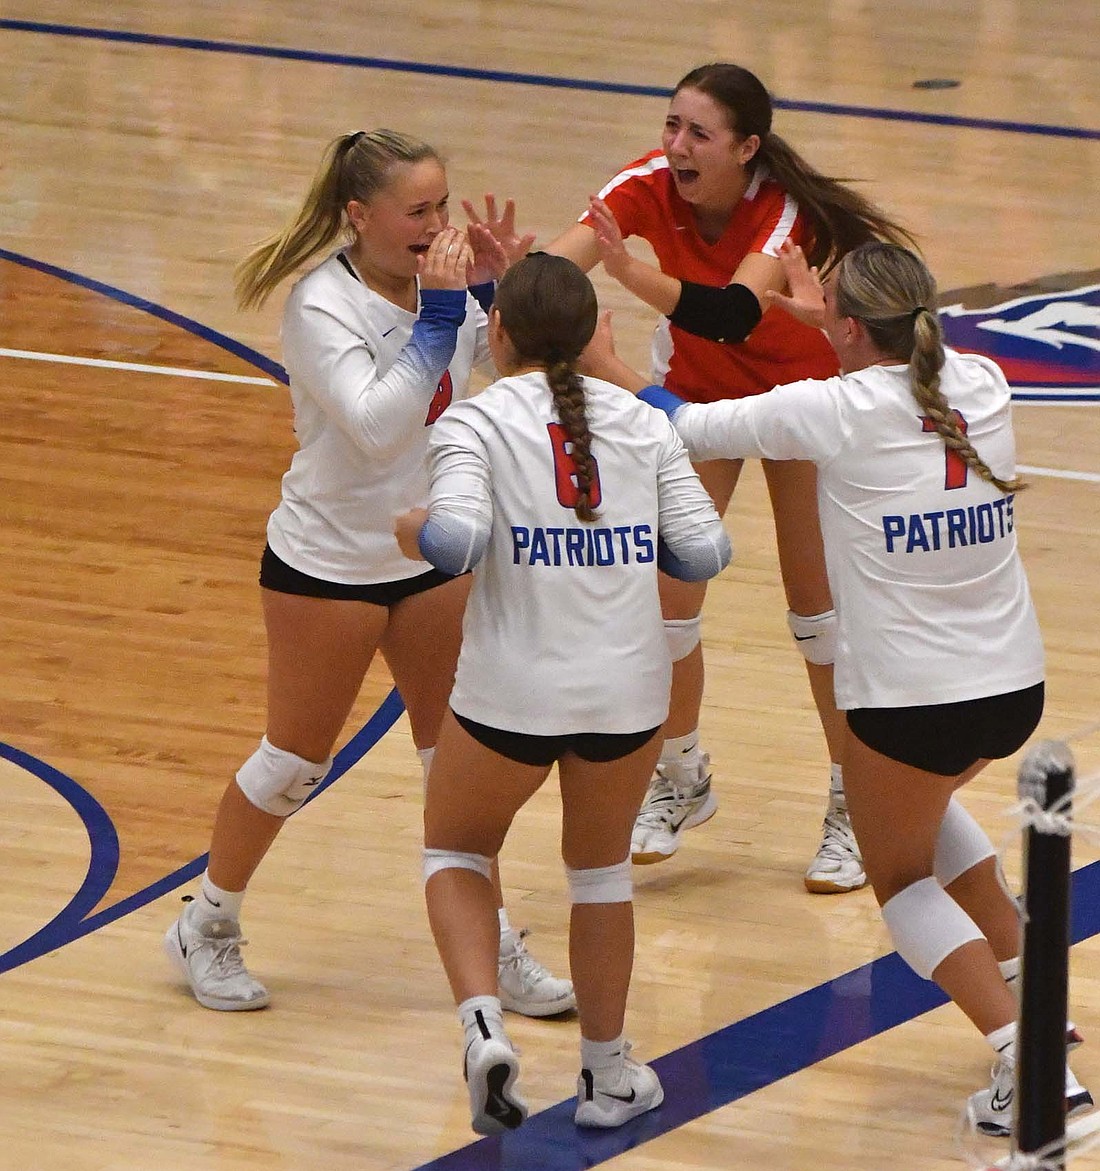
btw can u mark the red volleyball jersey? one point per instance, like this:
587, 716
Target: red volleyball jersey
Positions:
644, 201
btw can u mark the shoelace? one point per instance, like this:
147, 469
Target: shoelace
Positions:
529, 969
225, 954
838, 841
662, 799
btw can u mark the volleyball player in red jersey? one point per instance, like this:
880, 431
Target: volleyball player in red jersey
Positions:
716, 203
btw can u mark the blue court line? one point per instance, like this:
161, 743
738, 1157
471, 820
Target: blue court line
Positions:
261, 361
70, 923
743, 1057
74, 921
510, 77
1022, 396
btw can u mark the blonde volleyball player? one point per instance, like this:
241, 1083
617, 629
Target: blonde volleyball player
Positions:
716, 202
565, 494
378, 338
939, 662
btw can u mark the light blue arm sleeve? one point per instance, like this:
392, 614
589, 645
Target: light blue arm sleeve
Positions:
432, 344
692, 543
453, 544
697, 560
484, 294
460, 510
662, 399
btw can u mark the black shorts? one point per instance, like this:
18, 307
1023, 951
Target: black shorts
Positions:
597, 747
947, 738
276, 575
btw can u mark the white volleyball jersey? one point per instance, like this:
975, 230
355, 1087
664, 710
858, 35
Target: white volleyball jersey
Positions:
364, 401
931, 595
563, 631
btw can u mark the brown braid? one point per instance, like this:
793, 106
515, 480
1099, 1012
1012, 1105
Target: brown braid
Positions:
568, 392
927, 343
548, 309
889, 290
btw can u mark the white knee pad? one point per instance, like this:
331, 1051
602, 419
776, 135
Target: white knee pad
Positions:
815, 635
927, 925
279, 782
437, 860
960, 845
605, 884
682, 635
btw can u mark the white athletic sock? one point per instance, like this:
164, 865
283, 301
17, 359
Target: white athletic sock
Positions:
425, 755
680, 758
481, 1010
837, 799
601, 1054
215, 903
1010, 969
1003, 1041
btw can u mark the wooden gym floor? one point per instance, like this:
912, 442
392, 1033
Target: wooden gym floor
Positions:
146, 147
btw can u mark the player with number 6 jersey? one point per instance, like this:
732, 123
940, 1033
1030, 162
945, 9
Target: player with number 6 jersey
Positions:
560, 608
564, 497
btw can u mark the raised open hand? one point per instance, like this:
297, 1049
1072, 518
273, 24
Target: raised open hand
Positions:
805, 298
501, 227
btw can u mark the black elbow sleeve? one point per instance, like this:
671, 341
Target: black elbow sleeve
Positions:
721, 315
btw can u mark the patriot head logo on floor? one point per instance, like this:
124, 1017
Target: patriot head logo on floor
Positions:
1045, 336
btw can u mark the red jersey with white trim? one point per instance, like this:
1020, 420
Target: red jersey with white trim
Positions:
645, 202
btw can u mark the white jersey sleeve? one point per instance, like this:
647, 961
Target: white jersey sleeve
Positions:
802, 420
457, 532
693, 544
328, 360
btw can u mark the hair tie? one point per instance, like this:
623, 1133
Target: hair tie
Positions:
353, 138
918, 311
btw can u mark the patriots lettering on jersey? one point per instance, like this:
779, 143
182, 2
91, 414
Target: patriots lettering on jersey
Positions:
950, 528
587, 546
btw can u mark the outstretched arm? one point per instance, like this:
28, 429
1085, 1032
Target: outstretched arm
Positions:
647, 283
721, 314
599, 360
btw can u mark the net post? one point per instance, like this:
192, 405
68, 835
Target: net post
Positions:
1046, 777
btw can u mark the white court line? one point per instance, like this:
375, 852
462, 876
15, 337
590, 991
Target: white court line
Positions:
1059, 473
103, 363
180, 372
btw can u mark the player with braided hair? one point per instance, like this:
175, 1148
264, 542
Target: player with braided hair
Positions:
565, 494
939, 665
871, 292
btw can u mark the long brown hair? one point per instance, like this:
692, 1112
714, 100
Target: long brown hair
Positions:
548, 309
354, 166
893, 294
840, 217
